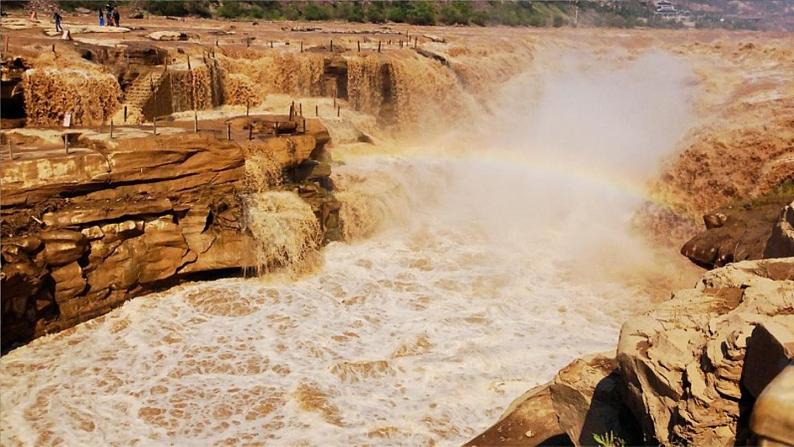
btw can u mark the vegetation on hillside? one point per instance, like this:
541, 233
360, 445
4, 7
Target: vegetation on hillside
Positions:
610, 13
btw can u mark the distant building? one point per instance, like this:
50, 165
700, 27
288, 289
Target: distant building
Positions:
665, 7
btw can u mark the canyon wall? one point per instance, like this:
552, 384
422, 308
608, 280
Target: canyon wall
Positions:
84, 232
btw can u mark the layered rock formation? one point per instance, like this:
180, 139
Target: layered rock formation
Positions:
686, 373
83, 232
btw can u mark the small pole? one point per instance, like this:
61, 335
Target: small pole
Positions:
334, 98
379, 46
271, 44
195, 122
125, 114
332, 46
304, 126
359, 46
66, 143
338, 111
111, 128
300, 108
301, 46
154, 122
250, 131
316, 110
229, 131
188, 62
416, 41
247, 107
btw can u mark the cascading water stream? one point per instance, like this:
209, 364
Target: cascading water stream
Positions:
472, 272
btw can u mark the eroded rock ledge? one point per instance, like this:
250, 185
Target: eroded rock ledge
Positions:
686, 373
84, 232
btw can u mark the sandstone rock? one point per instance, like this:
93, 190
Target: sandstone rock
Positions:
63, 246
586, 400
781, 241
28, 243
155, 255
773, 414
769, 350
167, 35
529, 421
69, 281
21, 282
90, 212
682, 362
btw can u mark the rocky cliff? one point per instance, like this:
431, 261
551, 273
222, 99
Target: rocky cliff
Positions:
686, 373
85, 231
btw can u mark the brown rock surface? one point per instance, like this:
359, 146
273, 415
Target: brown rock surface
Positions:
753, 229
773, 414
587, 401
781, 241
582, 400
682, 362
529, 421
86, 231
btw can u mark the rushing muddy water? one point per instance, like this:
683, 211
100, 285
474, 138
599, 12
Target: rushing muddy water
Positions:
474, 270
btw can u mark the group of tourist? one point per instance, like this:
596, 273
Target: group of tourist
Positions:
109, 15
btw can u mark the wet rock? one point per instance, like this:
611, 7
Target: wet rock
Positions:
310, 170
63, 246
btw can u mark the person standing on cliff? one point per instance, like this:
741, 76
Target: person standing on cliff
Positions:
116, 16
101, 18
56, 16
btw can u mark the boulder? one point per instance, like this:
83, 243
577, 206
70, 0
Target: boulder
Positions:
583, 400
682, 362
770, 349
781, 242
587, 401
772, 419
529, 421
744, 231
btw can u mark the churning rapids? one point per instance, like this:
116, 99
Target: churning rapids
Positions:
477, 266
